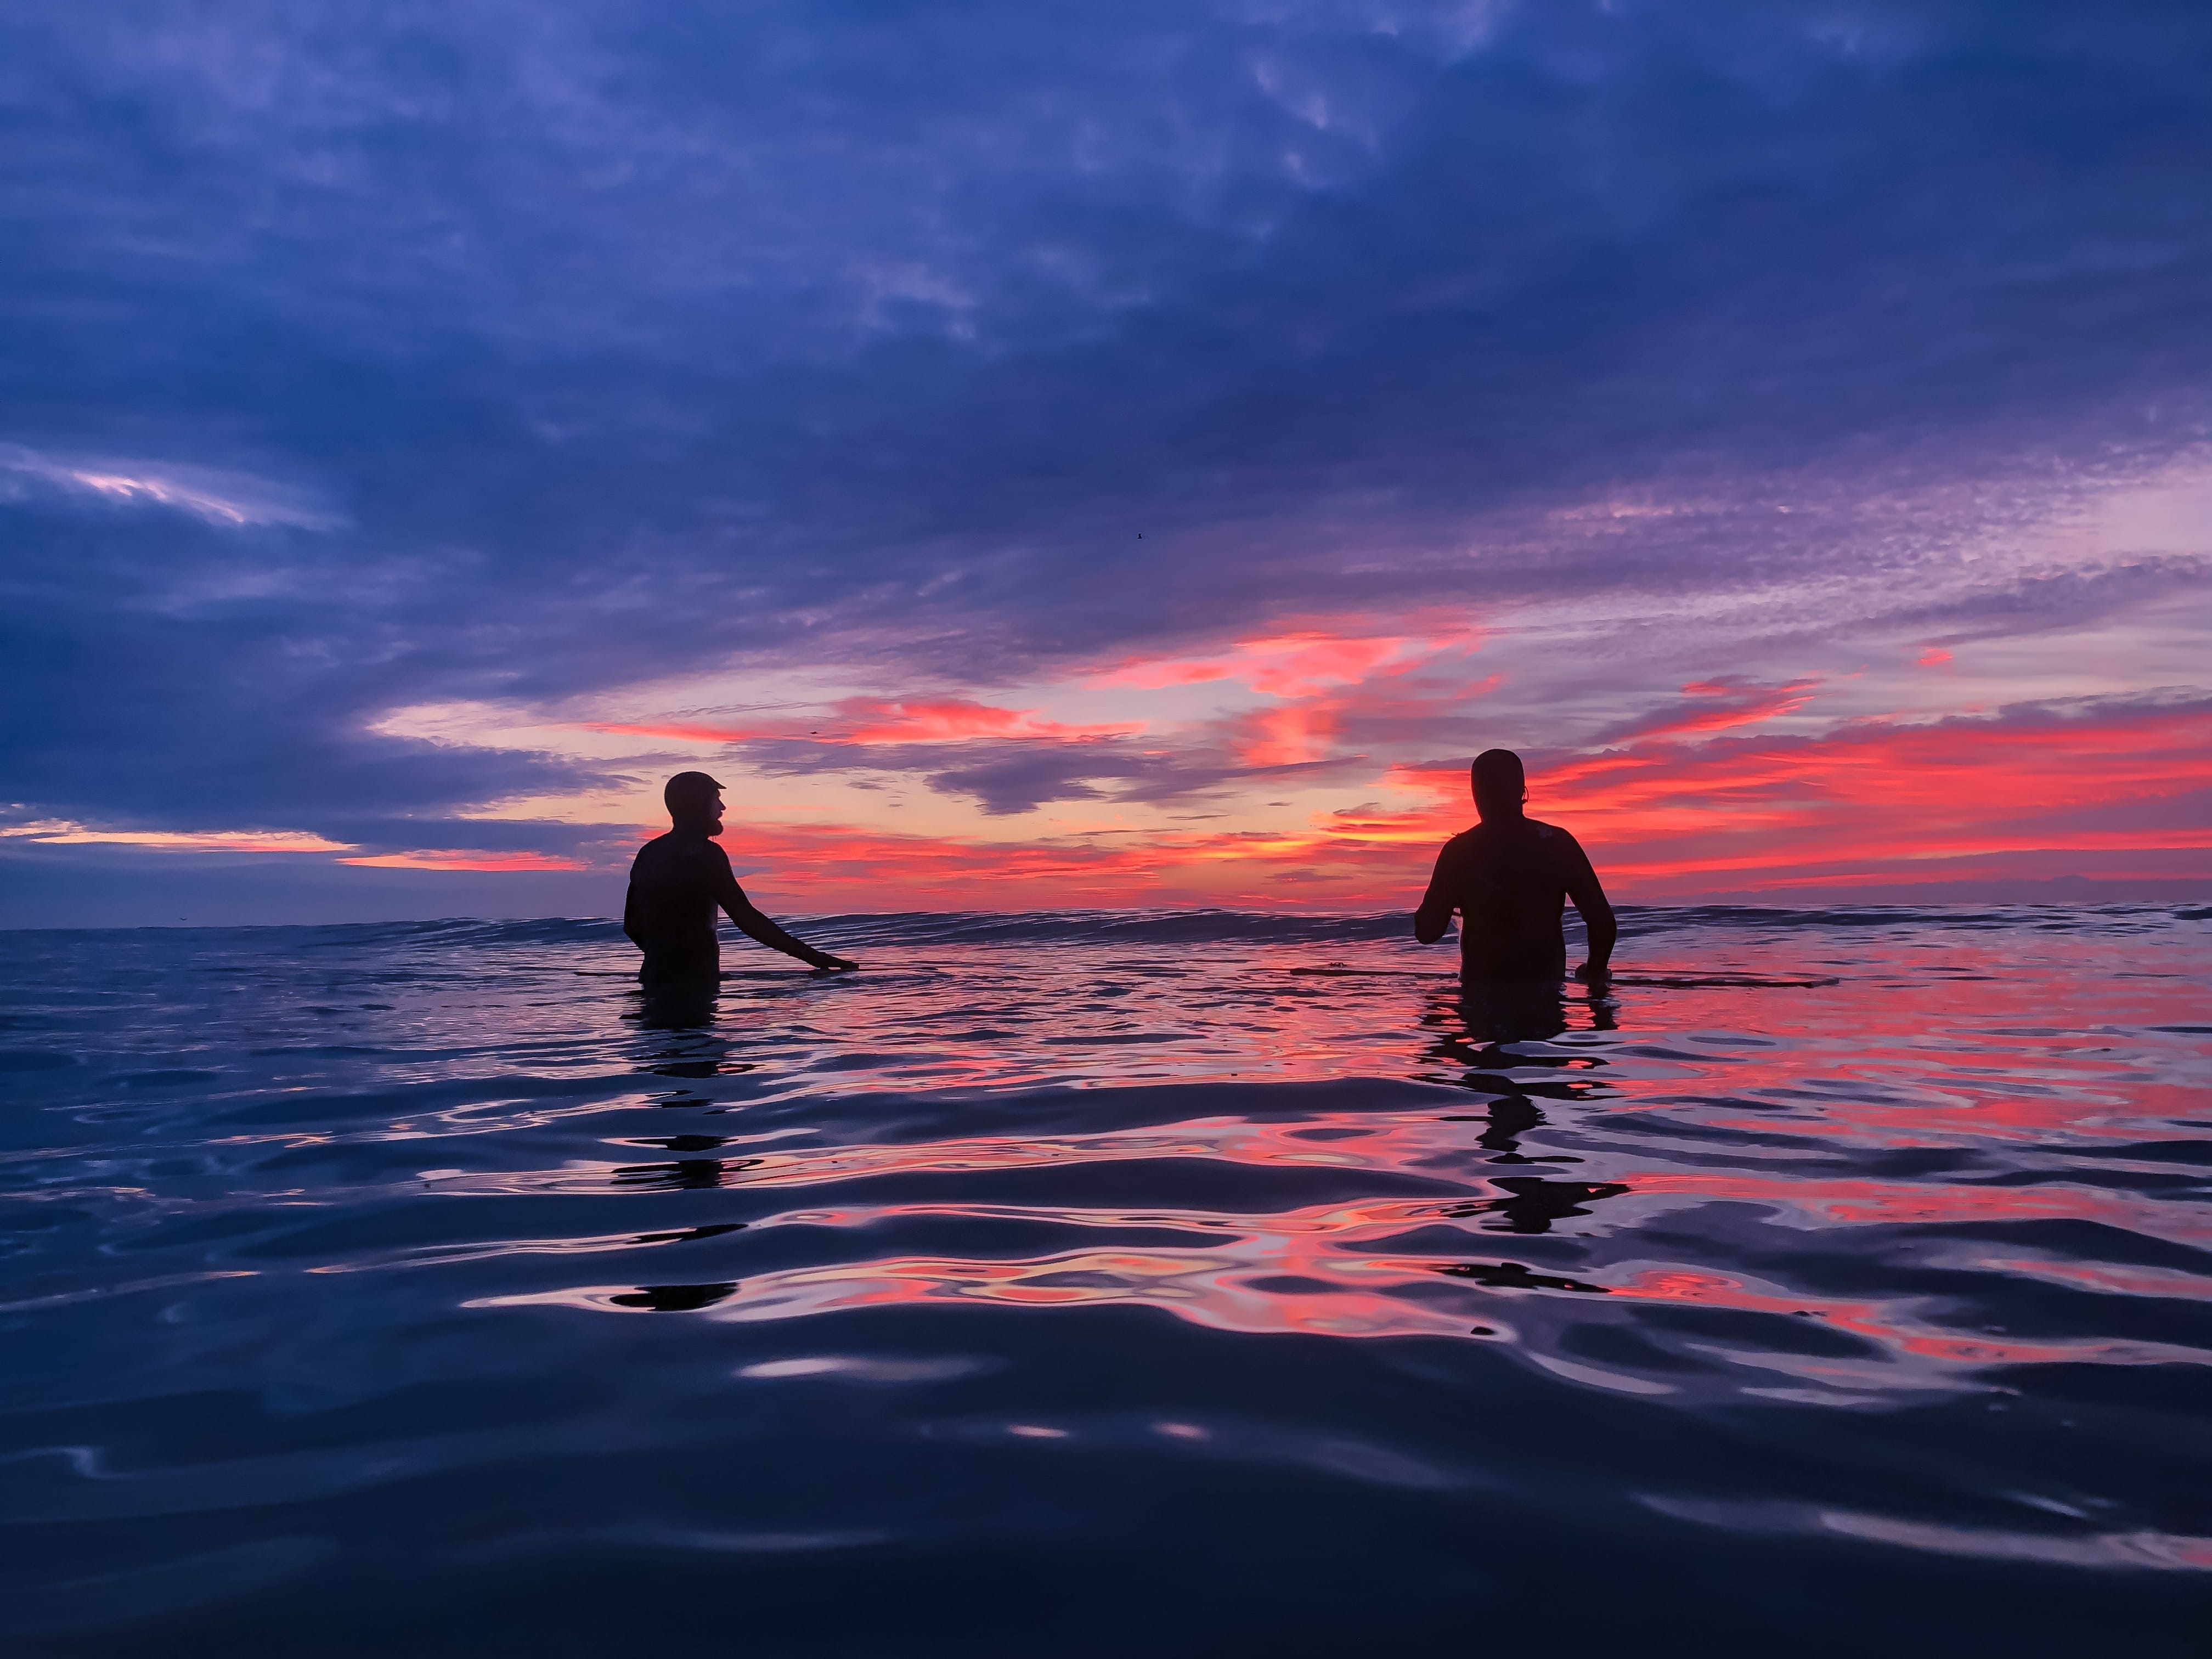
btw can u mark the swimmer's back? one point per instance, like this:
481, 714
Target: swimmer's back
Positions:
1510, 880
674, 884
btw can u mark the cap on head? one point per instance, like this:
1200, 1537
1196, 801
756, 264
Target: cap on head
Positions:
690, 790
1498, 779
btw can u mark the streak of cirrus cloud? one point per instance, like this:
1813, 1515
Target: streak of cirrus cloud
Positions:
1136, 462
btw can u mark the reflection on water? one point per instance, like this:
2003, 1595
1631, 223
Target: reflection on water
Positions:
1050, 1257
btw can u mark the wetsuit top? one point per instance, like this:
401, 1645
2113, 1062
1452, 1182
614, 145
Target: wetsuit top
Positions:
676, 885
1510, 879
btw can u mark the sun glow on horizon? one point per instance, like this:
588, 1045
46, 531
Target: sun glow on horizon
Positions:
1318, 765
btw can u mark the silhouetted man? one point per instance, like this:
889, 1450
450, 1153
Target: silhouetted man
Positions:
1508, 878
677, 882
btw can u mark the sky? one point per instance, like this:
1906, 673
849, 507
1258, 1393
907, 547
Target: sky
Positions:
1102, 456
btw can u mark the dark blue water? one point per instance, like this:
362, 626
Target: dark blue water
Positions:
1083, 1285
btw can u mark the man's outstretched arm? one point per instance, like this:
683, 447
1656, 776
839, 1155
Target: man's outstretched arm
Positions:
753, 925
1597, 916
1433, 919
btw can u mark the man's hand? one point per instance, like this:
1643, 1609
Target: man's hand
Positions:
822, 961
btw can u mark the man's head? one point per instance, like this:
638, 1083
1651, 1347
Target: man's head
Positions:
1500, 785
694, 802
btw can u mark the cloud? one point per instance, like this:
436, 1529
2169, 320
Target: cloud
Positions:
1328, 687
886, 720
2073, 786
2025, 795
1300, 657
1003, 777
56, 833
465, 859
1716, 705
234, 501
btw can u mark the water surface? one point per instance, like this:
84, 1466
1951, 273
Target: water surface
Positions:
1076, 1285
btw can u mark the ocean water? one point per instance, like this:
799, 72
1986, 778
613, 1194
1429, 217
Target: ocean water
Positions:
1078, 1284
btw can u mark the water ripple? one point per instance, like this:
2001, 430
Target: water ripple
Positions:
429, 1250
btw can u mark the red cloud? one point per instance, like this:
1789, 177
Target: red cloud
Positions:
1870, 801
2031, 795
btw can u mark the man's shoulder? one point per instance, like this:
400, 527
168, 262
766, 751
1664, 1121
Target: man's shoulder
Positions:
1552, 838
1505, 836
674, 850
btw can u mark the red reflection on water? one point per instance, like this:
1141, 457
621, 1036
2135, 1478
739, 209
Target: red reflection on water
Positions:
1893, 1203
1890, 1325
2025, 1058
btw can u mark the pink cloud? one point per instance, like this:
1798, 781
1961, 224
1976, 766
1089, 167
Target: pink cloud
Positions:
942, 720
1286, 737
1728, 703
884, 719
465, 858
1298, 659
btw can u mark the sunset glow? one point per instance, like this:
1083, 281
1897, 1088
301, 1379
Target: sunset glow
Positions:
1004, 529
746, 908
464, 859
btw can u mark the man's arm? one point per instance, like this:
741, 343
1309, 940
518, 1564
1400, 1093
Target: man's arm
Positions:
739, 909
1597, 913
1433, 919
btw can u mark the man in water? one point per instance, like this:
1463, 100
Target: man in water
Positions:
1509, 878
677, 883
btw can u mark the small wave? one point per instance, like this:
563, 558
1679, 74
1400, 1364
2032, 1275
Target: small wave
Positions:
1164, 926
1207, 926
463, 931
1214, 926
1176, 1244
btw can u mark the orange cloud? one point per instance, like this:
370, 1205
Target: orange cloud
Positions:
465, 858
880, 719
